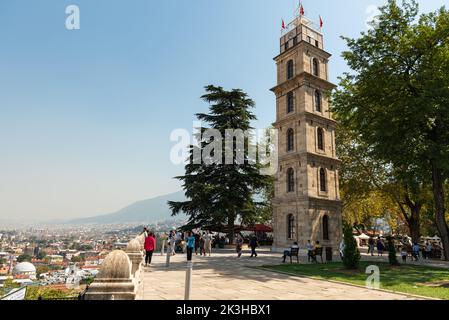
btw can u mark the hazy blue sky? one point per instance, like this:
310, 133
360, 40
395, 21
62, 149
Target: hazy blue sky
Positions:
86, 115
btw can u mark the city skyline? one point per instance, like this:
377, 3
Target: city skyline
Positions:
86, 115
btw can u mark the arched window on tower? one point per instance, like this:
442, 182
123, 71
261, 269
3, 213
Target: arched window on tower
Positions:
290, 69
325, 227
290, 226
290, 102
318, 100
290, 180
290, 139
315, 67
323, 186
320, 138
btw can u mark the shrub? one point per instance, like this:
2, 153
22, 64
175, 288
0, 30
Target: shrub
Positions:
392, 252
351, 254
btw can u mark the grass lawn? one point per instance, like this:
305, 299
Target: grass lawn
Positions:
419, 280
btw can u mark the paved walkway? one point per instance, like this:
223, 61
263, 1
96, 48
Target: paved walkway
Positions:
224, 277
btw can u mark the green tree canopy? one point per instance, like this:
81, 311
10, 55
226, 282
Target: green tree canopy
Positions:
397, 96
24, 257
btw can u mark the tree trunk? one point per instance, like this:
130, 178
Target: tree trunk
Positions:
414, 225
440, 219
413, 221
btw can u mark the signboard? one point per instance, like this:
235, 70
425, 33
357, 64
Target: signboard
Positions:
16, 294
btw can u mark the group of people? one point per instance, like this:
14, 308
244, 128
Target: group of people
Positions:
379, 246
416, 249
201, 242
405, 250
253, 244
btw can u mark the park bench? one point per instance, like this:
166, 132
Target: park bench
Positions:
318, 252
294, 252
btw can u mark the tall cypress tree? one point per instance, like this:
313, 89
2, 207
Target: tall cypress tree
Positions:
351, 254
392, 252
219, 192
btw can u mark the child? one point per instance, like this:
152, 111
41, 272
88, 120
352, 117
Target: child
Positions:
404, 254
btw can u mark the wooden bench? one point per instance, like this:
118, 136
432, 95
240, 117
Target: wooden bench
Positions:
294, 252
317, 252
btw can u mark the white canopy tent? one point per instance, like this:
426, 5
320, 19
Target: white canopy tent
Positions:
361, 239
363, 236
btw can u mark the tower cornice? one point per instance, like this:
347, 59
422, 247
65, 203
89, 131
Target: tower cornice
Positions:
303, 78
319, 118
307, 116
310, 157
324, 202
305, 44
321, 157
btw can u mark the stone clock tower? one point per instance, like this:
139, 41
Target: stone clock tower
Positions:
306, 205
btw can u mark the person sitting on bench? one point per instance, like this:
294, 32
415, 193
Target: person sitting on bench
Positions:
317, 251
288, 253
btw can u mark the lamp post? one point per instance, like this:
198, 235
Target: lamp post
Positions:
188, 284
167, 260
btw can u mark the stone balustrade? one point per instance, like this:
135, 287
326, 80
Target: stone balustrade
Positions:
119, 277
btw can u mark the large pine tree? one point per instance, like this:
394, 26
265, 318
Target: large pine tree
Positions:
219, 193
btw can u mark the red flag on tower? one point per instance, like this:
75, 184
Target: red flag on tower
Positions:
301, 8
283, 24
321, 22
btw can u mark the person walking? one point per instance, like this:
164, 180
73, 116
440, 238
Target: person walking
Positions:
172, 241
342, 249
184, 242
428, 250
202, 245
253, 245
150, 244
197, 242
239, 245
208, 243
190, 245
371, 246
404, 254
380, 247
415, 251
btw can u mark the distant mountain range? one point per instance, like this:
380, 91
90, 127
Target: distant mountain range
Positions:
146, 211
